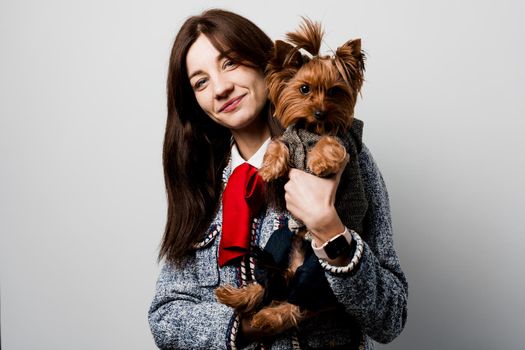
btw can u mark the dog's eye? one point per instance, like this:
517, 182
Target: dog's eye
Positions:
305, 89
332, 91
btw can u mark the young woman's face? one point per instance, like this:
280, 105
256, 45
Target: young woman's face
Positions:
232, 94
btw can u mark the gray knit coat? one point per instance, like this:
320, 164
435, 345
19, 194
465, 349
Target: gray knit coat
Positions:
185, 314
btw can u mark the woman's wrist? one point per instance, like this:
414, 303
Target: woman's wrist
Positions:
326, 226
356, 252
336, 251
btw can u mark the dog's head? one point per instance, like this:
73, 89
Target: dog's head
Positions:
318, 92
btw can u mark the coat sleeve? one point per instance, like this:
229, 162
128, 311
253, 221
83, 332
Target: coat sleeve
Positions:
375, 292
183, 315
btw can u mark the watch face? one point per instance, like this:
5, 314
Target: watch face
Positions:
337, 247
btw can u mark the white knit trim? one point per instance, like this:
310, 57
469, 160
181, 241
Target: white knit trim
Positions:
208, 239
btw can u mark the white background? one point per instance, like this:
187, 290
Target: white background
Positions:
82, 203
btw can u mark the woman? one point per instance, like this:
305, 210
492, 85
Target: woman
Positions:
219, 117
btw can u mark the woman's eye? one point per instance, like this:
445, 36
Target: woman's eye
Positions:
229, 64
199, 84
304, 89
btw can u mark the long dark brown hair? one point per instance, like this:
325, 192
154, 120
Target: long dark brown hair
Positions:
196, 149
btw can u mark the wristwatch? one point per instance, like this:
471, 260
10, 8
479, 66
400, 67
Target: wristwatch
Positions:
335, 247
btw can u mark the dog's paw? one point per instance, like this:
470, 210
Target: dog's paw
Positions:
228, 295
266, 320
275, 162
243, 300
327, 157
278, 317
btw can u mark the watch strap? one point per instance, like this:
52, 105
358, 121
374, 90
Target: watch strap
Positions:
334, 246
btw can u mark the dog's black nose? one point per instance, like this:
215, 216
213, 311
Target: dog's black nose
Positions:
319, 114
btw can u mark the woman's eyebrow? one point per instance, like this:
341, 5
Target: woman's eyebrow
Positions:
195, 73
219, 57
223, 55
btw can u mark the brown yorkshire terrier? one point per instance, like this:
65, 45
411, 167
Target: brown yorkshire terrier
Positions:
314, 98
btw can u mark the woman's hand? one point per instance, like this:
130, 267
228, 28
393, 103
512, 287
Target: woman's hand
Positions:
311, 199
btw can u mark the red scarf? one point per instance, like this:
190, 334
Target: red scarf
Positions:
241, 202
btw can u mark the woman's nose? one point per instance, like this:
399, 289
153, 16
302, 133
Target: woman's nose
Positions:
222, 87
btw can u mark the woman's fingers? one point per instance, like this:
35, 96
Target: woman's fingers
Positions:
311, 199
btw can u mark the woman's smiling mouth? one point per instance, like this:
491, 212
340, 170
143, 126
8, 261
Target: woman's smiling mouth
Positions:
231, 104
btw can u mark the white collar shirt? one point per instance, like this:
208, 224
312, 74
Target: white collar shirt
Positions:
256, 160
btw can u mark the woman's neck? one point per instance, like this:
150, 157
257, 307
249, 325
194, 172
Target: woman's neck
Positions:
249, 140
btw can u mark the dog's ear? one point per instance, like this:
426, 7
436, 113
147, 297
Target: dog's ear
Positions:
285, 55
350, 61
353, 44
285, 61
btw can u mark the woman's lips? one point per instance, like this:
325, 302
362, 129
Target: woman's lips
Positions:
231, 104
